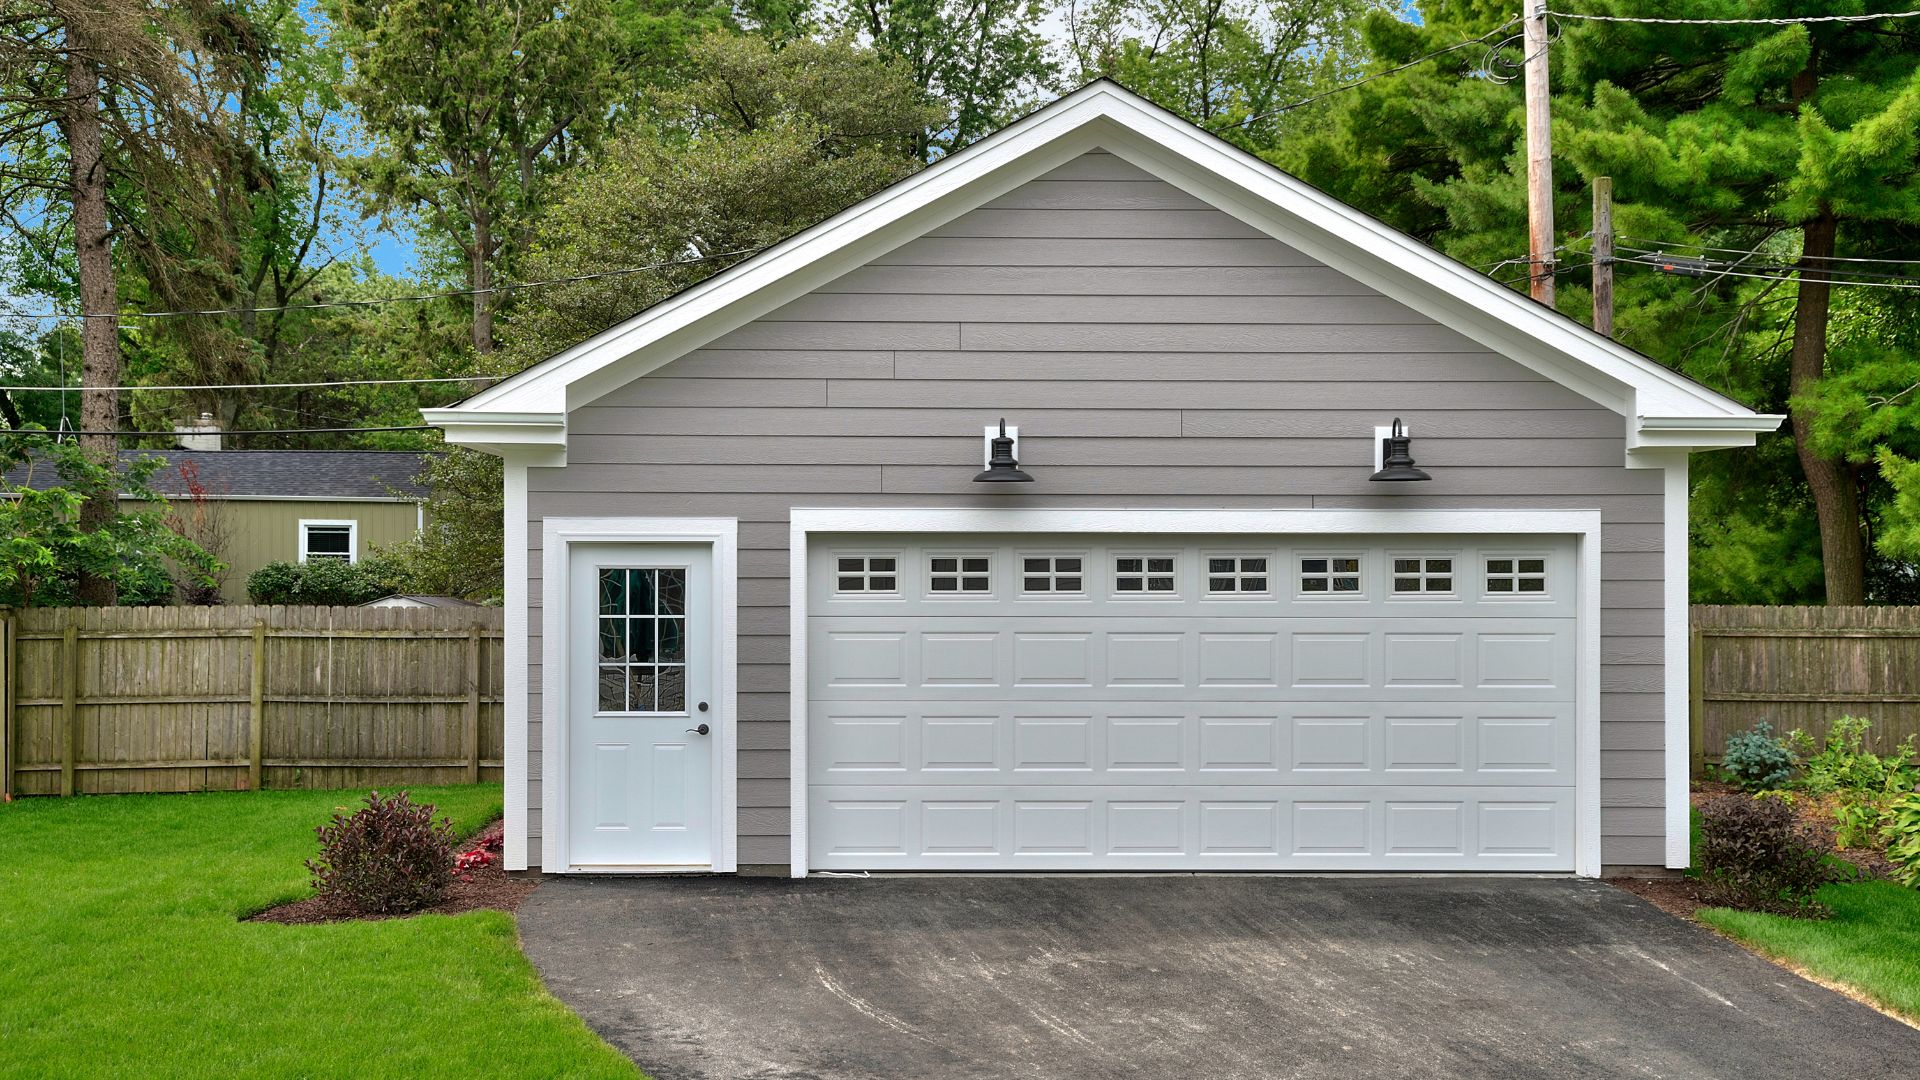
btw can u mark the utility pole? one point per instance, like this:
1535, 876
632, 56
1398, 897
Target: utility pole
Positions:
1539, 155
1603, 254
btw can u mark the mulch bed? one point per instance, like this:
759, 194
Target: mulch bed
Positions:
481, 888
1683, 896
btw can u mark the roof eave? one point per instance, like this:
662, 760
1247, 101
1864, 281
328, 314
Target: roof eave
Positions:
528, 438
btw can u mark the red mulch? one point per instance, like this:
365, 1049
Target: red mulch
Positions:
484, 887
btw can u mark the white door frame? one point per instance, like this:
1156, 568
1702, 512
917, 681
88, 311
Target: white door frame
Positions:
558, 537
1582, 525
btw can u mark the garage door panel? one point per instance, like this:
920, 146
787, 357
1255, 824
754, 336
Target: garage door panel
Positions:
958, 719
1205, 827
1230, 743
980, 658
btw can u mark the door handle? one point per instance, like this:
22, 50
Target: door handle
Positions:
701, 730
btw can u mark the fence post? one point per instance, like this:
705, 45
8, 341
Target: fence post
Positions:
473, 704
8, 692
70, 700
256, 717
1697, 700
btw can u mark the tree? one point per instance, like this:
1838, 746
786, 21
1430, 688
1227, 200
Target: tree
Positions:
985, 61
45, 550
1226, 65
94, 122
473, 108
1797, 143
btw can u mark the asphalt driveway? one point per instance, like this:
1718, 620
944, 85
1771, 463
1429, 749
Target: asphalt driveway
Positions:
1177, 977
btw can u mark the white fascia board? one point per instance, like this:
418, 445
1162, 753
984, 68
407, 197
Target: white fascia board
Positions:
1661, 433
1105, 116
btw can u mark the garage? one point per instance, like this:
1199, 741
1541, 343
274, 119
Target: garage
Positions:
1114, 701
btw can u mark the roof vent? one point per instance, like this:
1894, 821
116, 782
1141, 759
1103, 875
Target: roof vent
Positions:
203, 434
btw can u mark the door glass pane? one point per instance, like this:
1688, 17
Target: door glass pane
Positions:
640, 599
673, 689
640, 640
673, 592
640, 689
613, 592
673, 641
613, 639
613, 688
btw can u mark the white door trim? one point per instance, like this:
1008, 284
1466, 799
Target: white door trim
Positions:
1582, 525
558, 535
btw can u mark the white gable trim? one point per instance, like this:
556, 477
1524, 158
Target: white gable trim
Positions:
1665, 410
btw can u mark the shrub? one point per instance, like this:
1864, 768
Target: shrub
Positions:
1858, 820
389, 858
1754, 855
1901, 830
1845, 764
1755, 760
325, 582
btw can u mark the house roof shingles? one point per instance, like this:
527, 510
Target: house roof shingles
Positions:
286, 474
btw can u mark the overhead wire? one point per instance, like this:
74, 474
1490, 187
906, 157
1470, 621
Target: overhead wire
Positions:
1782, 21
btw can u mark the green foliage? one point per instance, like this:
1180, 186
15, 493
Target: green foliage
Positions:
1755, 856
460, 551
1756, 760
390, 857
1901, 830
326, 582
1858, 820
1845, 763
43, 548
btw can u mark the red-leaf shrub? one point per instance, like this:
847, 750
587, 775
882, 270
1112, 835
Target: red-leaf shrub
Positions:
389, 858
1755, 855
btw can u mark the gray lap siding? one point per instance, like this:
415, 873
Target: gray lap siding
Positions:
1184, 362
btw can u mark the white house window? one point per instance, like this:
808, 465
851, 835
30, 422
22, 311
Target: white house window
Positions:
950, 574
1236, 574
329, 540
1330, 574
1517, 575
1421, 575
867, 574
1151, 575
1054, 574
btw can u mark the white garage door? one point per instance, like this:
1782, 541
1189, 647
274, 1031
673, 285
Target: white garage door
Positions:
1173, 703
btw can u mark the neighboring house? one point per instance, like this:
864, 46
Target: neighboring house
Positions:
260, 506
761, 616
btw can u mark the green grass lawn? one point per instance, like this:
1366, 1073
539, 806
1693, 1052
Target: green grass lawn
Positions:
1872, 943
121, 953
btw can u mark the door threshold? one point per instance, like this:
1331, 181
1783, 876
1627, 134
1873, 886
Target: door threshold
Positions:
642, 868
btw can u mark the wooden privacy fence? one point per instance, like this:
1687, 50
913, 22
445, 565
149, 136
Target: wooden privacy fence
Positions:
1802, 667
234, 698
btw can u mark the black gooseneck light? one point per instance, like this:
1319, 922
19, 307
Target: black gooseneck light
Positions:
1396, 457
1002, 467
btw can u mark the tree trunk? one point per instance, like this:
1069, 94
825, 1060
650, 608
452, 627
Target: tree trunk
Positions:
480, 263
99, 301
1836, 500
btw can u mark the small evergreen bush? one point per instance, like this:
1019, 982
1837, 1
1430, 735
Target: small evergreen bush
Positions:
1755, 760
389, 858
325, 582
1755, 856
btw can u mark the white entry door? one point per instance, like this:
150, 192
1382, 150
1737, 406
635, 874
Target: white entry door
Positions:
640, 741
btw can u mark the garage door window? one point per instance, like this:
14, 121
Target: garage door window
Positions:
1325, 575
1228, 575
1517, 575
949, 575
867, 574
1422, 575
1053, 575
1150, 575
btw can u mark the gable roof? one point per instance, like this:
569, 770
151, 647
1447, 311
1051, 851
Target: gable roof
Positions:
526, 415
339, 475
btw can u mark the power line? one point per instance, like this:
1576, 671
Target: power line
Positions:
1838, 274
1755, 251
417, 298
1725, 270
1791, 21
1416, 62
244, 431
258, 386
